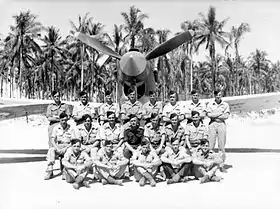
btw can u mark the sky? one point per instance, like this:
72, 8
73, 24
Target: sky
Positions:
262, 16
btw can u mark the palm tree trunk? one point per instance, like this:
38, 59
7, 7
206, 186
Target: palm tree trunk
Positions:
20, 70
82, 73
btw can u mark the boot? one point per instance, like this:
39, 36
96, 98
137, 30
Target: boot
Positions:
142, 182
205, 179
49, 172
150, 178
216, 178
104, 182
112, 180
76, 185
86, 184
174, 179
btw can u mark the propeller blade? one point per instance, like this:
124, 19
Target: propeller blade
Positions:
171, 44
150, 82
94, 43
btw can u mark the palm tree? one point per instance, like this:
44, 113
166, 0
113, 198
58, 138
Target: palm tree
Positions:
133, 24
24, 46
210, 32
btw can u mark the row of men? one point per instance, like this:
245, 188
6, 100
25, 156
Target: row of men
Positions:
109, 164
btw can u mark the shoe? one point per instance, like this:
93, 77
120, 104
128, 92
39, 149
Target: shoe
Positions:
79, 179
204, 179
63, 176
76, 185
142, 181
104, 182
86, 184
185, 179
223, 170
216, 178
153, 183
48, 175
170, 181
119, 182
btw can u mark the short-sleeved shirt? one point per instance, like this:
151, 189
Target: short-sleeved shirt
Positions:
209, 156
223, 107
104, 108
149, 108
168, 109
148, 158
172, 155
110, 158
133, 136
89, 137
113, 134
80, 110
74, 159
55, 110
128, 108
170, 133
195, 134
63, 136
154, 135
199, 107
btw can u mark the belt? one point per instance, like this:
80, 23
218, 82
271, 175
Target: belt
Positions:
60, 142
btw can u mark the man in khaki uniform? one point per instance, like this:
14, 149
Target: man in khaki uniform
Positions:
195, 131
131, 107
175, 130
206, 163
84, 107
88, 133
172, 107
53, 112
195, 105
108, 106
175, 162
112, 131
152, 106
218, 112
110, 164
60, 141
146, 163
76, 165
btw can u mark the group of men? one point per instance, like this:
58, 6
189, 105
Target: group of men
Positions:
152, 142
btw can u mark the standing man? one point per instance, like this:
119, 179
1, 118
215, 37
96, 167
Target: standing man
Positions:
76, 165
218, 112
146, 163
84, 107
175, 162
131, 107
108, 106
60, 142
172, 107
110, 164
53, 112
152, 106
195, 105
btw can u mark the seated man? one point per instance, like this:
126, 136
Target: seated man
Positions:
108, 106
84, 107
152, 106
112, 131
76, 165
172, 107
110, 165
131, 107
175, 162
60, 141
146, 163
88, 133
175, 130
206, 163
195, 131
133, 136
155, 133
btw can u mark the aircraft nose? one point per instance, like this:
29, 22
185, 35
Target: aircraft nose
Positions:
133, 63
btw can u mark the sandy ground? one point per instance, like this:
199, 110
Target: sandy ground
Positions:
253, 181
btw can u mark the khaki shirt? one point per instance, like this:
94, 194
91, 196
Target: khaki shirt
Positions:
151, 157
199, 107
149, 108
55, 110
80, 159
88, 137
223, 107
168, 109
107, 159
113, 134
154, 135
63, 136
179, 134
209, 156
195, 134
104, 108
80, 110
128, 108
171, 155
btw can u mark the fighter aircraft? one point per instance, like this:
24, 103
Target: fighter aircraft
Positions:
133, 70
